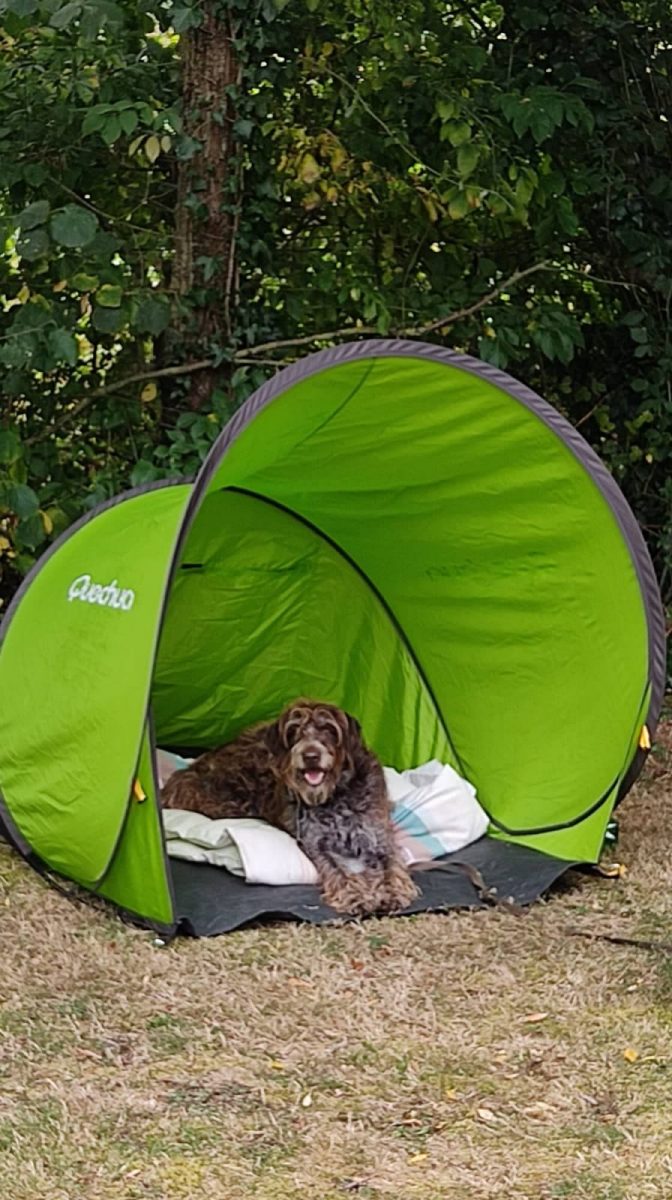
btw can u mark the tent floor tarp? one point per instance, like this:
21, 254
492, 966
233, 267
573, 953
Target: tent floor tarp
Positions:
209, 900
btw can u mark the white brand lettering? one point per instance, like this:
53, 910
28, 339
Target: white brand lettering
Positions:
109, 595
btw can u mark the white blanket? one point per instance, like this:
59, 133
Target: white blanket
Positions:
435, 812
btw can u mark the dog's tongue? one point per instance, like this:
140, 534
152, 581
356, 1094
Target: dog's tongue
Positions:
314, 778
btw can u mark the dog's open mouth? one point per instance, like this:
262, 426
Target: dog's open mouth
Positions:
314, 778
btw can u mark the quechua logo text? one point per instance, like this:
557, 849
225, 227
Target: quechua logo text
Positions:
108, 595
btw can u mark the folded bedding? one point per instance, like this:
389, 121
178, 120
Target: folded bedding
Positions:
434, 810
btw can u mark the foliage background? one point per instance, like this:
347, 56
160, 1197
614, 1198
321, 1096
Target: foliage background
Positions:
231, 184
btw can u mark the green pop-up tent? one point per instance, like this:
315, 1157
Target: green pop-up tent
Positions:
388, 526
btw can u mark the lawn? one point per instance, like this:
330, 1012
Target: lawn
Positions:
473, 1056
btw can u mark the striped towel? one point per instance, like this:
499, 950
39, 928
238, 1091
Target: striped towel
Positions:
434, 810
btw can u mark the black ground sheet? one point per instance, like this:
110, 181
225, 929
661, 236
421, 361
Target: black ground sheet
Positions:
209, 900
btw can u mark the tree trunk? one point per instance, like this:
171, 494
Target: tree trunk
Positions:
204, 272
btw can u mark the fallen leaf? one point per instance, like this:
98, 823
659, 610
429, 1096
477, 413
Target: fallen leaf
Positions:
486, 1114
149, 392
539, 1112
307, 1100
416, 1158
277, 1066
645, 738
450, 1094
611, 870
630, 1055
357, 964
294, 981
535, 1018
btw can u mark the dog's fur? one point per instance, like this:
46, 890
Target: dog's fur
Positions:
310, 774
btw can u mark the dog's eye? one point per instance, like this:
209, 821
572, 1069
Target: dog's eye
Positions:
331, 730
292, 730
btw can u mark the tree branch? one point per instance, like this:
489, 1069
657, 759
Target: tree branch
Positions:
254, 354
473, 308
71, 413
407, 331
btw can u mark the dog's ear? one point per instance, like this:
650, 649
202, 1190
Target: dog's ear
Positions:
273, 738
354, 730
353, 745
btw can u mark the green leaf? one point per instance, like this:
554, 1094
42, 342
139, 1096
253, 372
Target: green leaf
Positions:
458, 206
144, 472
30, 532
445, 109
111, 130
35, 214
107, 320
546, 343
82, 282
64, 16
109, 296
567, 216
183, 19
541, 125
35, 174
63, 346
243, 128
22, 8
128, 120
10, 446
74, 226
33, 244
91, 22
22, 500
94, 119
467, 159
152, 317
458, 132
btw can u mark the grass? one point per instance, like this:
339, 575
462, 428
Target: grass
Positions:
476, 1056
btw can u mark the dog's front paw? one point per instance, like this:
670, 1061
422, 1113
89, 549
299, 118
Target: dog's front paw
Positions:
398, 891
370, 892
348, 896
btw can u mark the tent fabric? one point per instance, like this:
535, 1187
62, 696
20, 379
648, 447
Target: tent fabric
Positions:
386, 525
75, 676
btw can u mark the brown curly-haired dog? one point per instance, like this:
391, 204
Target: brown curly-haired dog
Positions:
309, 773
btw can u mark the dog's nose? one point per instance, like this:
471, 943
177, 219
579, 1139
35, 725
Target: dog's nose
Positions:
312, 758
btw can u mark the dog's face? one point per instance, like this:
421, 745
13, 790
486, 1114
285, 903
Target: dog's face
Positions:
313, 746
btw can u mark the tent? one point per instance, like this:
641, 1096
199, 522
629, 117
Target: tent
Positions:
386, 525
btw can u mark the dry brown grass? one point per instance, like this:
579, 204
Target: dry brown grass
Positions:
396, 1059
